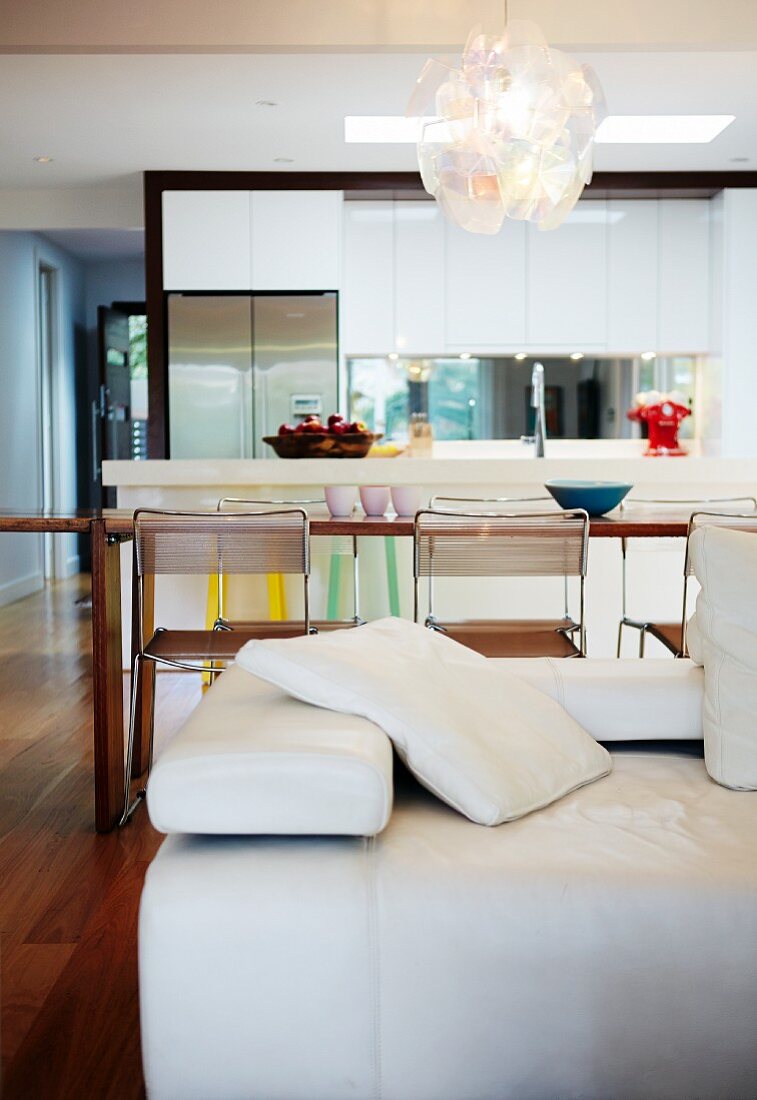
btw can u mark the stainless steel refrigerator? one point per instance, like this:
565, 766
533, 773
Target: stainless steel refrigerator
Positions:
239, 365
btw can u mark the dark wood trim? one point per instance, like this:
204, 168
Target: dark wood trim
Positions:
157, 360
612, 182
380, 185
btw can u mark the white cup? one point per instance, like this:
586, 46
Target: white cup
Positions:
406, 499
340, 499
374, 499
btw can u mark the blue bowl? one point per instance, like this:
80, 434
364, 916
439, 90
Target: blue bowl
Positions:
596, 497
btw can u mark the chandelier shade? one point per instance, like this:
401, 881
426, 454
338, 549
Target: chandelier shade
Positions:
510, 132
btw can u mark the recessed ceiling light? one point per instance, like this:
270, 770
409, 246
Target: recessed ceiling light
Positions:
283, 160
615, 130
576, 355
648, 355
465, 355
43, 160
661, 129
266, 103
521, 355
393, 356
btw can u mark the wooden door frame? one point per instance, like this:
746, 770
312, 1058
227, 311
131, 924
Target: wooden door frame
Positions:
356, 185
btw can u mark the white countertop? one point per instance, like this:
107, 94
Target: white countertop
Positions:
487, 464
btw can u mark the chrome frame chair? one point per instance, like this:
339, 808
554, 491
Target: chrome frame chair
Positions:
733, 521
224, 624
200, 543
434, 503
464, 544
665, 633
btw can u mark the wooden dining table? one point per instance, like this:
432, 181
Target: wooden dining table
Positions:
108, 528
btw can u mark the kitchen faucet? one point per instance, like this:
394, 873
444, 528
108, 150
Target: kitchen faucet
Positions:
537, 403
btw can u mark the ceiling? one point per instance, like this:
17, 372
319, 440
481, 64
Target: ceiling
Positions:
106, 117
92, 245
277, 26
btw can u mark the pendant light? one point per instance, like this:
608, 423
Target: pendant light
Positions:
512, 129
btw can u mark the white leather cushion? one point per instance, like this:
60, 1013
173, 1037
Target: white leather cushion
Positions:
629, 700
722, 636
251, 759
485, 742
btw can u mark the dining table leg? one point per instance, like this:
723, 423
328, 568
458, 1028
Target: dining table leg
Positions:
107, 676
145, 700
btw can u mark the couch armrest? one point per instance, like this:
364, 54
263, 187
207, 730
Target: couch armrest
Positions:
250, 760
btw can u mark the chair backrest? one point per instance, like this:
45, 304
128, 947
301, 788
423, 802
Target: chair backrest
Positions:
740, 503
442, 502
182, 543
500, 544
735, 521
232, 504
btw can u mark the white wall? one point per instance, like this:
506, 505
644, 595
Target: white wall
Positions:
20, 475
735, 307
117, 206
109, 281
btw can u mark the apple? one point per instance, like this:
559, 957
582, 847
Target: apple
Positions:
335, 418
357, 427
338, 427
314, 427
286, 429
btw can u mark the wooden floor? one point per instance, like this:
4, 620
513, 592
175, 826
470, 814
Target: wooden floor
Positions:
68, 897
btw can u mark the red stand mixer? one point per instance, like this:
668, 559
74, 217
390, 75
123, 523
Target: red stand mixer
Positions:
662, 413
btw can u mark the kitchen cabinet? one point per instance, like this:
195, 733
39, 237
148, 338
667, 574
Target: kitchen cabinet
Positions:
367, 305
419, 264
206, 240
485, 289
632, 275
566, 288
296, 240
684, 272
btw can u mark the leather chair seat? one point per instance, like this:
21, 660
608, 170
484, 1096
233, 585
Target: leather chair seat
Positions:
516, 637
223, 645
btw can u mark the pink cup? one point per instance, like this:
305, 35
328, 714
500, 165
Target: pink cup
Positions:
406, 499
340, 499
374, 499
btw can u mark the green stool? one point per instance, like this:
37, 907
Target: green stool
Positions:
335, 573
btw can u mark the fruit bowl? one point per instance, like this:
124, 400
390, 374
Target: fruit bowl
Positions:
322, 445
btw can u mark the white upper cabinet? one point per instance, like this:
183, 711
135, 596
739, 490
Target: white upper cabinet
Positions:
418, 278
567, 282
485, 291
684, 275
206, 240
367, 302
632, 275
296, 240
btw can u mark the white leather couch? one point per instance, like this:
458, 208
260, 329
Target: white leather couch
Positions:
605, 947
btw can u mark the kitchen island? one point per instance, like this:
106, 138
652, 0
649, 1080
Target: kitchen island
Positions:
476, 468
